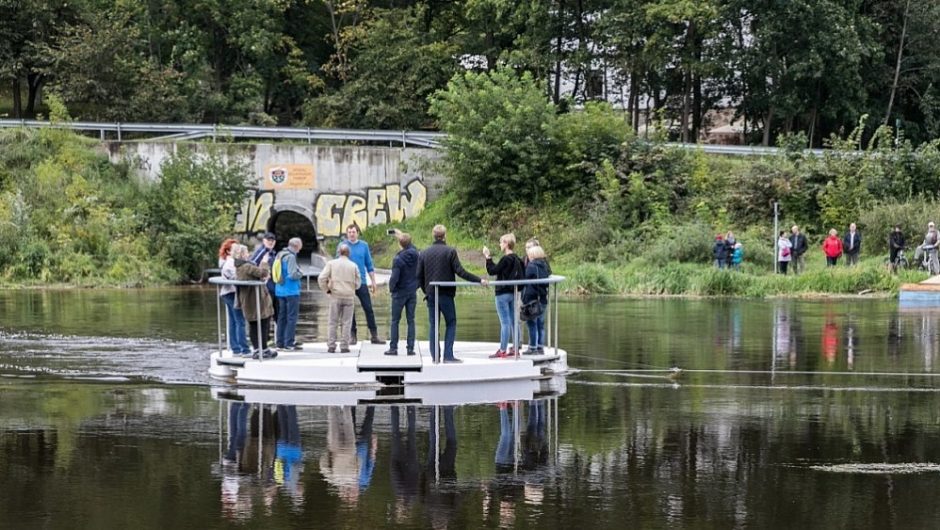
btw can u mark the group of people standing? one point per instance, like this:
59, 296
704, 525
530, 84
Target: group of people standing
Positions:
343, 279
251, 308
728, 252
413, 270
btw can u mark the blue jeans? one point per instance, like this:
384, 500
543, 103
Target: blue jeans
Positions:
237, 327
362, 293
504, 449
537, 330
287, 314
506, 310
449, 312
408, 303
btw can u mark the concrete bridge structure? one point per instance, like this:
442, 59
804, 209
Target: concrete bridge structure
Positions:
311, 191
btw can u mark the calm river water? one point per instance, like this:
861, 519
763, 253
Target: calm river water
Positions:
788, 414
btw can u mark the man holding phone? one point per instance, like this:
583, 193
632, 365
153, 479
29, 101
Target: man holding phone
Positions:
360, 255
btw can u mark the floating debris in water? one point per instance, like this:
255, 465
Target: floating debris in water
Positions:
880, 469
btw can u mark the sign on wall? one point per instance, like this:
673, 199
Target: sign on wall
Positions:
289, 177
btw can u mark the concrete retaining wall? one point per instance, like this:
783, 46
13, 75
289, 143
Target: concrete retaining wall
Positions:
330, 186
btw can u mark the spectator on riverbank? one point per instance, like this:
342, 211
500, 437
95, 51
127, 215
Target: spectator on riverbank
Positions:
737, 256
895, 245
798, 248
403, 284
719, 252
832, 247
537, 269
852, 245
288, 296
237, 340
439, 262
509, 268
360, 254
340, 279
251, 304
784, 253
730, 241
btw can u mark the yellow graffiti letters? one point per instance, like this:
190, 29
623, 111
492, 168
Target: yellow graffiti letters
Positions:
375, 206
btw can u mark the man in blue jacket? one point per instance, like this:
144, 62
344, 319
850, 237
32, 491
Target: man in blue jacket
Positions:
288, 296
403, 285
360, 255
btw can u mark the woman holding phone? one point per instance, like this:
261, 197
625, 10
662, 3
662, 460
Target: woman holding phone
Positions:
509, 267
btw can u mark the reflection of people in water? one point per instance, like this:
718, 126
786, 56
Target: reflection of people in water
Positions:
241, 460
830, 339
288, 455
441, 503
535, 445
505, 449
850, 345
405, 470
350, 460
366, 445
781, 333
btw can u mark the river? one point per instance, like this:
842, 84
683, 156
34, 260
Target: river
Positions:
785, 414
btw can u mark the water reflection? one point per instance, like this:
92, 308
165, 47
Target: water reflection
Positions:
264, 457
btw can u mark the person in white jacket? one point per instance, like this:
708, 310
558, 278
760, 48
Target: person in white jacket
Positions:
784, 252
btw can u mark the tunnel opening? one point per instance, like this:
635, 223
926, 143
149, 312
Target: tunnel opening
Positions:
287, 224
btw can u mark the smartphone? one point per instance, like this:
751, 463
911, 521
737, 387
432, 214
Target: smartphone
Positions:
390, 231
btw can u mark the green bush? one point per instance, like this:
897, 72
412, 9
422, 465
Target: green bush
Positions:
877, 221
681, 243
591, 278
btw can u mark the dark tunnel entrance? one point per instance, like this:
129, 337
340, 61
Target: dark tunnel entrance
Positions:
287, 224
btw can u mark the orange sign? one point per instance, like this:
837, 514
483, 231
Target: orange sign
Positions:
289, 177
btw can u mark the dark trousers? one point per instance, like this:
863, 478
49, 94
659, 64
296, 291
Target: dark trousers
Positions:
288, 313
265, 330
407, 302
449, 311
782, 266
831, 262
362, 293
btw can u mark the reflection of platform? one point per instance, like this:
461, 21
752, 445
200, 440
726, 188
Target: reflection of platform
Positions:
367, 365
920, 294
431, 394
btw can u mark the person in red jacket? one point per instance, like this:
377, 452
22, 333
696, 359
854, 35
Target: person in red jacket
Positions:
832, 246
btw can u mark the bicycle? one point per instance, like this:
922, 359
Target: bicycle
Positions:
900, 261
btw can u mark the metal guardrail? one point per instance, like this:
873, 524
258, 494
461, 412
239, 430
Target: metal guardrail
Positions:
182, 132
178, 132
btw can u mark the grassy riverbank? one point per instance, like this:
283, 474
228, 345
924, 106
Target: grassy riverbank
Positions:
641, 274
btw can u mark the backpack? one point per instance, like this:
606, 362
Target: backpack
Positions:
278, 274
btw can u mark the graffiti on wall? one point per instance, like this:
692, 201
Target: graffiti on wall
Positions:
374, 206
255, 212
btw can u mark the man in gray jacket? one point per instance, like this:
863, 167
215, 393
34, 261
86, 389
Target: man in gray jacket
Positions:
340, 279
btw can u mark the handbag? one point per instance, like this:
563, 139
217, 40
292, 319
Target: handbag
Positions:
530, 310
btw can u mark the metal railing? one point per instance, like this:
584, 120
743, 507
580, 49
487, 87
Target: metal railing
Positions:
219, 281
551, 316
183, 132
180, 132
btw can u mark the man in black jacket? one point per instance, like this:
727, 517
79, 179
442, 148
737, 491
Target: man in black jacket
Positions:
403, 284
895, 245
439, 263
798, 248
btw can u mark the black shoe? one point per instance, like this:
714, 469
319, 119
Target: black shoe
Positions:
344, 350
411, 352
453, 361
391, 352
296, 347
331, 349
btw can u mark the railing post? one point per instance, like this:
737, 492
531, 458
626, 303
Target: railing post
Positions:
555, 314
436, 347
119, 131
218, 311
258, 315
516, 321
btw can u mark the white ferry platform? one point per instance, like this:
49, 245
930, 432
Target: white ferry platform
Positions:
367, 364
